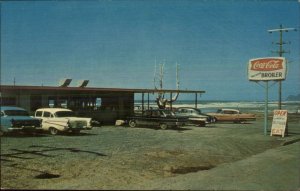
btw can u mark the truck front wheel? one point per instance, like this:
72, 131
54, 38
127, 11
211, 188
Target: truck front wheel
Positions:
163, 126
53, 131
132, 123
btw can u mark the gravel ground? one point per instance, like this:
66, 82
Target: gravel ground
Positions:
219, 156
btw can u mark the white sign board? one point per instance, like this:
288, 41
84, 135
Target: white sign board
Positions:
279, 122
265, 69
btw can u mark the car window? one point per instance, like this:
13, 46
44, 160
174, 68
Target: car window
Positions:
230, 112
38, 114
47, 114
16, 113
2, 114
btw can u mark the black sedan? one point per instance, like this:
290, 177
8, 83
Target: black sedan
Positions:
157, 118
195, 116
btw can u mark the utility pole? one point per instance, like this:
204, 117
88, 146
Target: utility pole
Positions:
280, 53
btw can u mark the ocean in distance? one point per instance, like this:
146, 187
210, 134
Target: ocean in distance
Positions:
244, 106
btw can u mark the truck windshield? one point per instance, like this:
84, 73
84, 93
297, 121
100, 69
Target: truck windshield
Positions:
16, 113
65, 114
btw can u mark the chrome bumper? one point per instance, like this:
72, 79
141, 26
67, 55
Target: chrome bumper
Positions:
24, 128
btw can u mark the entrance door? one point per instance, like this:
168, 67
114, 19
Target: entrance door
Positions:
35, 102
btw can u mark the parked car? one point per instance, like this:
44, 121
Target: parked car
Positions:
16, 119
157, 118
194, 115
232, 115
57, 120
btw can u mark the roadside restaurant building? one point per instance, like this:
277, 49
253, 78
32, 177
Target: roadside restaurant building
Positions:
102, 104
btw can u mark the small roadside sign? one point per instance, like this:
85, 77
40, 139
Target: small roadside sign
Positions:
279, 124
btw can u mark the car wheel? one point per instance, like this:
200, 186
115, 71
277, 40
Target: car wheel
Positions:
202, 124
76, 131
53, 131
237, 121
132, 123
163, 126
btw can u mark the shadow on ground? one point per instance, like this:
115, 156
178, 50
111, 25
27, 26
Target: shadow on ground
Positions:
23, 154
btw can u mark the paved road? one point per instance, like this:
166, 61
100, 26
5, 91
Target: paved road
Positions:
274, 169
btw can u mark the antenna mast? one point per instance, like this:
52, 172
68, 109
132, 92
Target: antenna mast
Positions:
154, 79
177, 76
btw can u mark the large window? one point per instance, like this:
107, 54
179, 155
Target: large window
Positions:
58, 102
83, 102
51, 103
98, 103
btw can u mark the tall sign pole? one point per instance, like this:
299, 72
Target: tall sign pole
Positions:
280, 53
266, 106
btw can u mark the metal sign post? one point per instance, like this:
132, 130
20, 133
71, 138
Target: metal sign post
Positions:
266, 107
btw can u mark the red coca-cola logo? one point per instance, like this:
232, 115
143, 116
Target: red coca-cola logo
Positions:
267, 64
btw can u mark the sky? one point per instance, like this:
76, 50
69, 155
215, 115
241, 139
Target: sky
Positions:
117, 43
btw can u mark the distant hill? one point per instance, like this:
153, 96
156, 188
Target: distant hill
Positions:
293, 98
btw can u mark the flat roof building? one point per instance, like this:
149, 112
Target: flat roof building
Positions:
103, 104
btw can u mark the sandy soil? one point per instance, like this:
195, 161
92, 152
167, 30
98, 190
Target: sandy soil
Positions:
217, 157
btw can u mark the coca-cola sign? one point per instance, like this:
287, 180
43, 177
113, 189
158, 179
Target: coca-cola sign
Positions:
262, 69
266, 64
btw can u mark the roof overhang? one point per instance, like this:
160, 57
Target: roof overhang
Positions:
11, 88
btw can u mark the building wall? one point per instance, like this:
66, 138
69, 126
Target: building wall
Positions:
116, 105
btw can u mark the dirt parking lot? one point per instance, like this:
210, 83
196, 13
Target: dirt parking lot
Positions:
111, 157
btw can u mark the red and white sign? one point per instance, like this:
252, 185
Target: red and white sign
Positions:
264, 69
279, 122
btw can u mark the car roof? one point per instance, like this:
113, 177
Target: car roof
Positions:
53, 109
3, 108
157, 110
230, 110
187, 108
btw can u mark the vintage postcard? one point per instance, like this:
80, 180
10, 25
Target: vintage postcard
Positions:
150, 94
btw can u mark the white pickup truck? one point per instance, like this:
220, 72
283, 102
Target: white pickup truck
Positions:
57, 120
